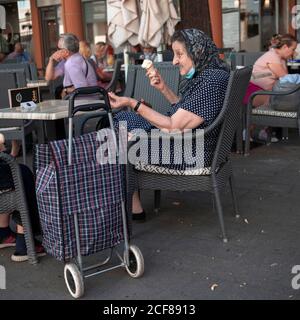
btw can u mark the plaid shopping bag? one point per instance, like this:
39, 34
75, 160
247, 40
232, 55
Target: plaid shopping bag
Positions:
94, 191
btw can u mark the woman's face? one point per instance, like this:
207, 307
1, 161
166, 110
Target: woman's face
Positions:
100, 51
181, 58
288, 52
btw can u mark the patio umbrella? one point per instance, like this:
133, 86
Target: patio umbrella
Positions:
2, 17
158, 20
123, 22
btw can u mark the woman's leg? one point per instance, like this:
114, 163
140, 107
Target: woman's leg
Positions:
2, 138
20, 254
15, 148
136, 203
260, 101
29, 185
4, 220
7, 238
2, 141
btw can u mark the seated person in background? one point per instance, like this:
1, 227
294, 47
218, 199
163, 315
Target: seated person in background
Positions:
103, 58
4, 48
104, 55
19, 54
270, 67
200, 101
103, 78
77, 72
274, 40
7, 237
149, 53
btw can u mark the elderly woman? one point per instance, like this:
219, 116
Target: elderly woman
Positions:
201, 96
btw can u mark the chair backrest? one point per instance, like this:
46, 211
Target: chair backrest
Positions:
33, 71
15, 60
116, 76
24, 66
168, 55
229, 116
131, 74
10, 79
143, 89
244, 58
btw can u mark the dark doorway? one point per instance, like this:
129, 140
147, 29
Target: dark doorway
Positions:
50, 30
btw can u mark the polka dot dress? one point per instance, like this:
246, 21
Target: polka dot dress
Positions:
203, 95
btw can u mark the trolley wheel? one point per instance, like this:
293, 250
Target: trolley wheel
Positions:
74, 280
136, 262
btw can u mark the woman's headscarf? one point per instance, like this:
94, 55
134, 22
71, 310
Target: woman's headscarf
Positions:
201, 49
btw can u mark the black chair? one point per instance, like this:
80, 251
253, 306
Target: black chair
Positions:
265, 116
14, 129
211, 179
246, 59
116, 76
15, 199
138, 85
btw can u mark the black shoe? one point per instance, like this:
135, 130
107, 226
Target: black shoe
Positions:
141, 217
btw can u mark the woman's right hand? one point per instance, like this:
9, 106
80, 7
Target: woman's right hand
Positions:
156, 79
117, 102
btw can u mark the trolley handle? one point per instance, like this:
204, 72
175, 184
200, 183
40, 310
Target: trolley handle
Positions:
88, 107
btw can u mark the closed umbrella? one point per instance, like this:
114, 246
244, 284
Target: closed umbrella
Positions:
158, 20
2, 17
123, 22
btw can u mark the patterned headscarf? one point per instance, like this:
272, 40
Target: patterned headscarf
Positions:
202, 50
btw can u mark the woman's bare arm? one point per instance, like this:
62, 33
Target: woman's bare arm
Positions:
278, 69
180, 121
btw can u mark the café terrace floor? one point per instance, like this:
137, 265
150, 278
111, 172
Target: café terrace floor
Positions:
184, 256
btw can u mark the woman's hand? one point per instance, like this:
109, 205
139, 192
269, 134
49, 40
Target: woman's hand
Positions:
156, 80
117, 102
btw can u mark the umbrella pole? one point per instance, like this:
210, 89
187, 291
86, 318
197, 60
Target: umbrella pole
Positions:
126, 61
159, 54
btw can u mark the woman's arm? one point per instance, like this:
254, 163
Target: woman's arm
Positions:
180, 121
278, 69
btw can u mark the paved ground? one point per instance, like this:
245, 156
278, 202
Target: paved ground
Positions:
184, 256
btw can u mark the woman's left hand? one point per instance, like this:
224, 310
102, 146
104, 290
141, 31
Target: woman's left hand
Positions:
117, 102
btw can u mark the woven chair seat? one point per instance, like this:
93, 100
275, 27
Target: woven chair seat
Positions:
140, 166
5, 191
265, 111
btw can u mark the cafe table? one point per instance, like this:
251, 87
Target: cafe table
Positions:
47, 111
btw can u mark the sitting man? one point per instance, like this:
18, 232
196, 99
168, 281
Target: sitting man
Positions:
19, 53
77, 72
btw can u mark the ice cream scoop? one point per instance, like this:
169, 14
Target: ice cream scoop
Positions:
148, 65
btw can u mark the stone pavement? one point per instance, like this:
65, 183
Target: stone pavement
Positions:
184, 256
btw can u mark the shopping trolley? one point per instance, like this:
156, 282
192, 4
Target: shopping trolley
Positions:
82, 203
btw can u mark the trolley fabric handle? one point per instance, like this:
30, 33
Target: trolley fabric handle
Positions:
88, 91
